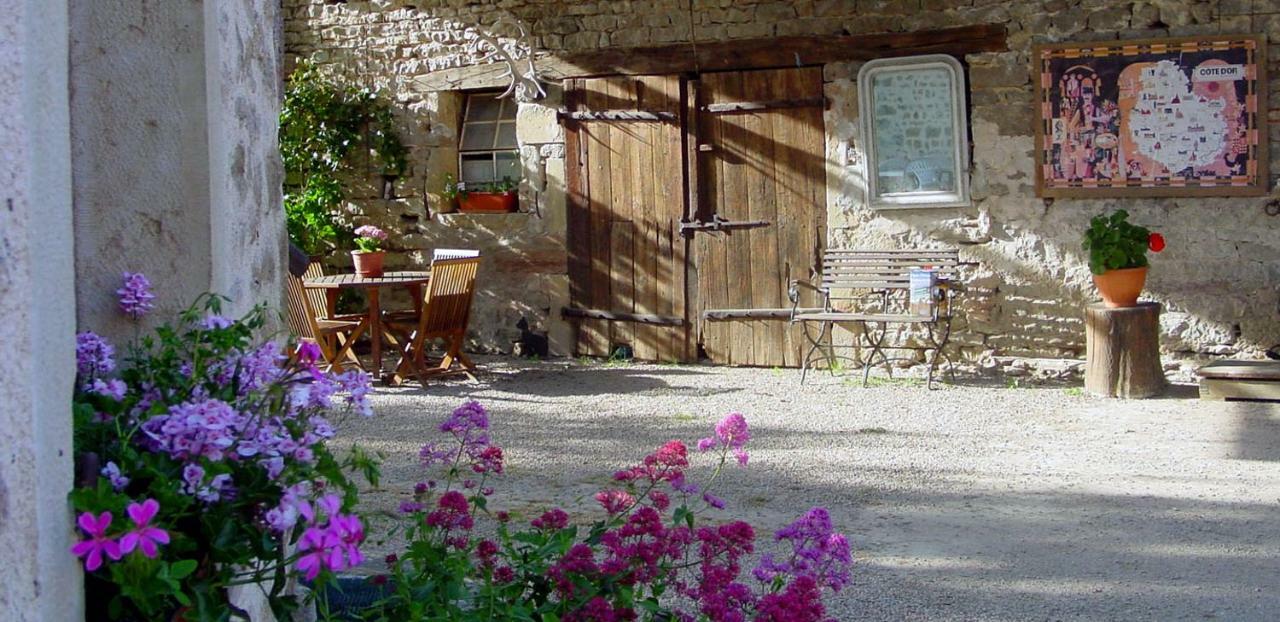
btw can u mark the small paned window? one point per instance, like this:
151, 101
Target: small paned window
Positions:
488, 151
914, 131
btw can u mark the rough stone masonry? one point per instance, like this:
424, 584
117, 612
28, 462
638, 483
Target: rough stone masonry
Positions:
1219, 279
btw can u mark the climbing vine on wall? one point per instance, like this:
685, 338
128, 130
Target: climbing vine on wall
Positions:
324, 125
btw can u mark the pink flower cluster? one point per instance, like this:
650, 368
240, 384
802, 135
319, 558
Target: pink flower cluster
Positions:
371, 232
469, 426
452, 512
664, 465
143, 537
332, 543
731, 435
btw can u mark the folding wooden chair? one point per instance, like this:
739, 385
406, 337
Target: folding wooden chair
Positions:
325, 332
446, 312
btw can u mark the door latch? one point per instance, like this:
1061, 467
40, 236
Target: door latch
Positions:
717, 223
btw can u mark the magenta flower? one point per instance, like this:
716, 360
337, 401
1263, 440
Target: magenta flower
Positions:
615, 501
98, 543
144, 536
731, 434
320, 550
308, 353
135, 295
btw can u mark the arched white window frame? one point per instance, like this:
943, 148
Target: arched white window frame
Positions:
879, 199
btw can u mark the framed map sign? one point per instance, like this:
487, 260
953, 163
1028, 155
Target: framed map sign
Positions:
1165, 117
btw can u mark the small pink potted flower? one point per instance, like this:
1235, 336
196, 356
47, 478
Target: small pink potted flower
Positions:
368, 259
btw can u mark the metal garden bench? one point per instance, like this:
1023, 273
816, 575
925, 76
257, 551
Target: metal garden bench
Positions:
872, 289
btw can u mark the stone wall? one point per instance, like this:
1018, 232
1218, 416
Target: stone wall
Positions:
1219, 278
41, 580
177, 172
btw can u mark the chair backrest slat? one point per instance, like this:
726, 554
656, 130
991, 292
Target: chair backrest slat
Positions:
453, 253
315, 297
298, 313
449, 296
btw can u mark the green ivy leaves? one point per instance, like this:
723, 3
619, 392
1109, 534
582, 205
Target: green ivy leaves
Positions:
323, 126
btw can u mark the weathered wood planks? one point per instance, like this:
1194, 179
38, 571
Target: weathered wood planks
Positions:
631, 198
766, 163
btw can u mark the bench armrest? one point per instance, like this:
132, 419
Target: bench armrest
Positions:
793, 292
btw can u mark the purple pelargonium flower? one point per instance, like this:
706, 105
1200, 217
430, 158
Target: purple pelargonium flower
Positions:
114, 388
98, 543
144, 535
113, 474
94, 356
135, 295
214, 321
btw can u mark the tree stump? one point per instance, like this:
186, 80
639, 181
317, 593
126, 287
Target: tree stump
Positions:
1123, 351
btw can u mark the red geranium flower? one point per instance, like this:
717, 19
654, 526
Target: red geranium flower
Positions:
1155, 242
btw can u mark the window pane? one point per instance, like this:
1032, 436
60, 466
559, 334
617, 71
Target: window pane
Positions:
914, 135
506, 136
478, 136
508, 165
509, 107
483, 107
477, 167
913, 115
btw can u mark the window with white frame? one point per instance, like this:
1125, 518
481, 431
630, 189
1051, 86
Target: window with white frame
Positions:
912, 112
488, 152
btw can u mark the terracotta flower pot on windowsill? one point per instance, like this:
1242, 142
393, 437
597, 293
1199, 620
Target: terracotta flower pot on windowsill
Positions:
488, 202
1121, 288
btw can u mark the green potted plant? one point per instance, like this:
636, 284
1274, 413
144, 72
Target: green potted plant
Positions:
496, 197
368, 256
1118, 257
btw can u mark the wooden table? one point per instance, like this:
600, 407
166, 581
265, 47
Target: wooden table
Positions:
333, 284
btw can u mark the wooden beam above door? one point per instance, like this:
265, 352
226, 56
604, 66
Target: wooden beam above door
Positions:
742, 54
775, 52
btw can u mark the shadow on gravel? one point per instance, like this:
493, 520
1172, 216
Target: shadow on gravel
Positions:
1066, 556
1257, 430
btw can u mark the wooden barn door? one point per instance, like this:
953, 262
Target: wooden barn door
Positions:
762, 178
627, 259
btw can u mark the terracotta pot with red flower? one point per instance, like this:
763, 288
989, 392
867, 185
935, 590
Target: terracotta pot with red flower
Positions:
1118, 257
368, 259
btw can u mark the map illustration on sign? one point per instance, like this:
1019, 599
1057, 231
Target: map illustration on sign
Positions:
1168, 117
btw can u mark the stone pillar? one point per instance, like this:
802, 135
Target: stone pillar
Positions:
173, 125
41, 578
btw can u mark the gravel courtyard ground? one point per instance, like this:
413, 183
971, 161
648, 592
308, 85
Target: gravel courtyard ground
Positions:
969, 503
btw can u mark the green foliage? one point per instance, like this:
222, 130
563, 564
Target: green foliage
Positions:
323, 125
1114, 243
